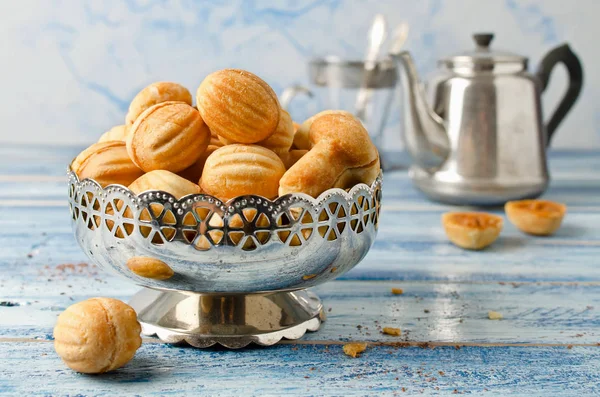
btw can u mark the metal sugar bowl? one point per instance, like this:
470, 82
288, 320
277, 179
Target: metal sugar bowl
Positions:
350, 85
231, 285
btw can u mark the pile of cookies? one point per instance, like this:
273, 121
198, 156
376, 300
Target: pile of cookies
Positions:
237, 140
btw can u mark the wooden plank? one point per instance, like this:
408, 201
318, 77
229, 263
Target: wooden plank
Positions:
36, 159
309, 370
357, 310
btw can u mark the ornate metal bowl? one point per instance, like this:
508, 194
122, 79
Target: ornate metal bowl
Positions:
241, 267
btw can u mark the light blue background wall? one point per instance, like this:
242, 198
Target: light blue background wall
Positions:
70, 67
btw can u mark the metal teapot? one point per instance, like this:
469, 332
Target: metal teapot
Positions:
481, 140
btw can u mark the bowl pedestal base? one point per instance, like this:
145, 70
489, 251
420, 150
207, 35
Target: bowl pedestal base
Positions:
231, 320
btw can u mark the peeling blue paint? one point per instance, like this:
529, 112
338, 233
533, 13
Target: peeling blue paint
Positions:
285, 369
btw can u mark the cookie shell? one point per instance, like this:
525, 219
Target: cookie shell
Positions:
238, 105
168, 136
162, 91
97, 335
106, 163
236, 170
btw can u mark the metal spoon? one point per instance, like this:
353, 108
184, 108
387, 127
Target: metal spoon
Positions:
398, 39
377, 36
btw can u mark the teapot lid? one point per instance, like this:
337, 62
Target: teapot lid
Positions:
484, 58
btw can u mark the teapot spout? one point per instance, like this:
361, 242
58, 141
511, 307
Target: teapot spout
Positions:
425, 135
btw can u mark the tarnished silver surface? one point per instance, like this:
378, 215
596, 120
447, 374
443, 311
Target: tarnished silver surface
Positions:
291, 243
362, 87
231, 320
335, 72
377, 36
480, 137
424, 131
258, 249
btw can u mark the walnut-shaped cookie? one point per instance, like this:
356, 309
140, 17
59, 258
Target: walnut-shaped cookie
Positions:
281, 140
168, 136
236, 170
117, 133
165, 181
97, 335
149, 267
162, 91
238, 106
194, 172
106, 163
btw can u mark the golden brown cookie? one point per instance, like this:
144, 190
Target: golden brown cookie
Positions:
169, 182
238, 106
354, 349
151, 268
214, 140
537, 217
290, 158
165, 181
283, 137
117, 133
97, 335
194, 172
353, 176
391, 331
301, 138
281, 140
106, 163
236, 170
341, 155
472, 230
169, 136
163, 91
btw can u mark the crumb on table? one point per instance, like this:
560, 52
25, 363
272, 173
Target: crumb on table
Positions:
354, 349
391, 331
397, 291
492, 315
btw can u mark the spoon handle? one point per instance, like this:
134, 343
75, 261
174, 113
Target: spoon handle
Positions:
377, 36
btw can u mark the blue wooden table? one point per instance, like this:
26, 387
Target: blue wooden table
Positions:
547, 289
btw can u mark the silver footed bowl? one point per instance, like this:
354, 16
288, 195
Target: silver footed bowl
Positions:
246, 245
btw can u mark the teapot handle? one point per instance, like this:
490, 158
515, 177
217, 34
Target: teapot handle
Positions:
571, 61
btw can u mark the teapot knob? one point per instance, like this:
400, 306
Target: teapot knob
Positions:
483, 40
